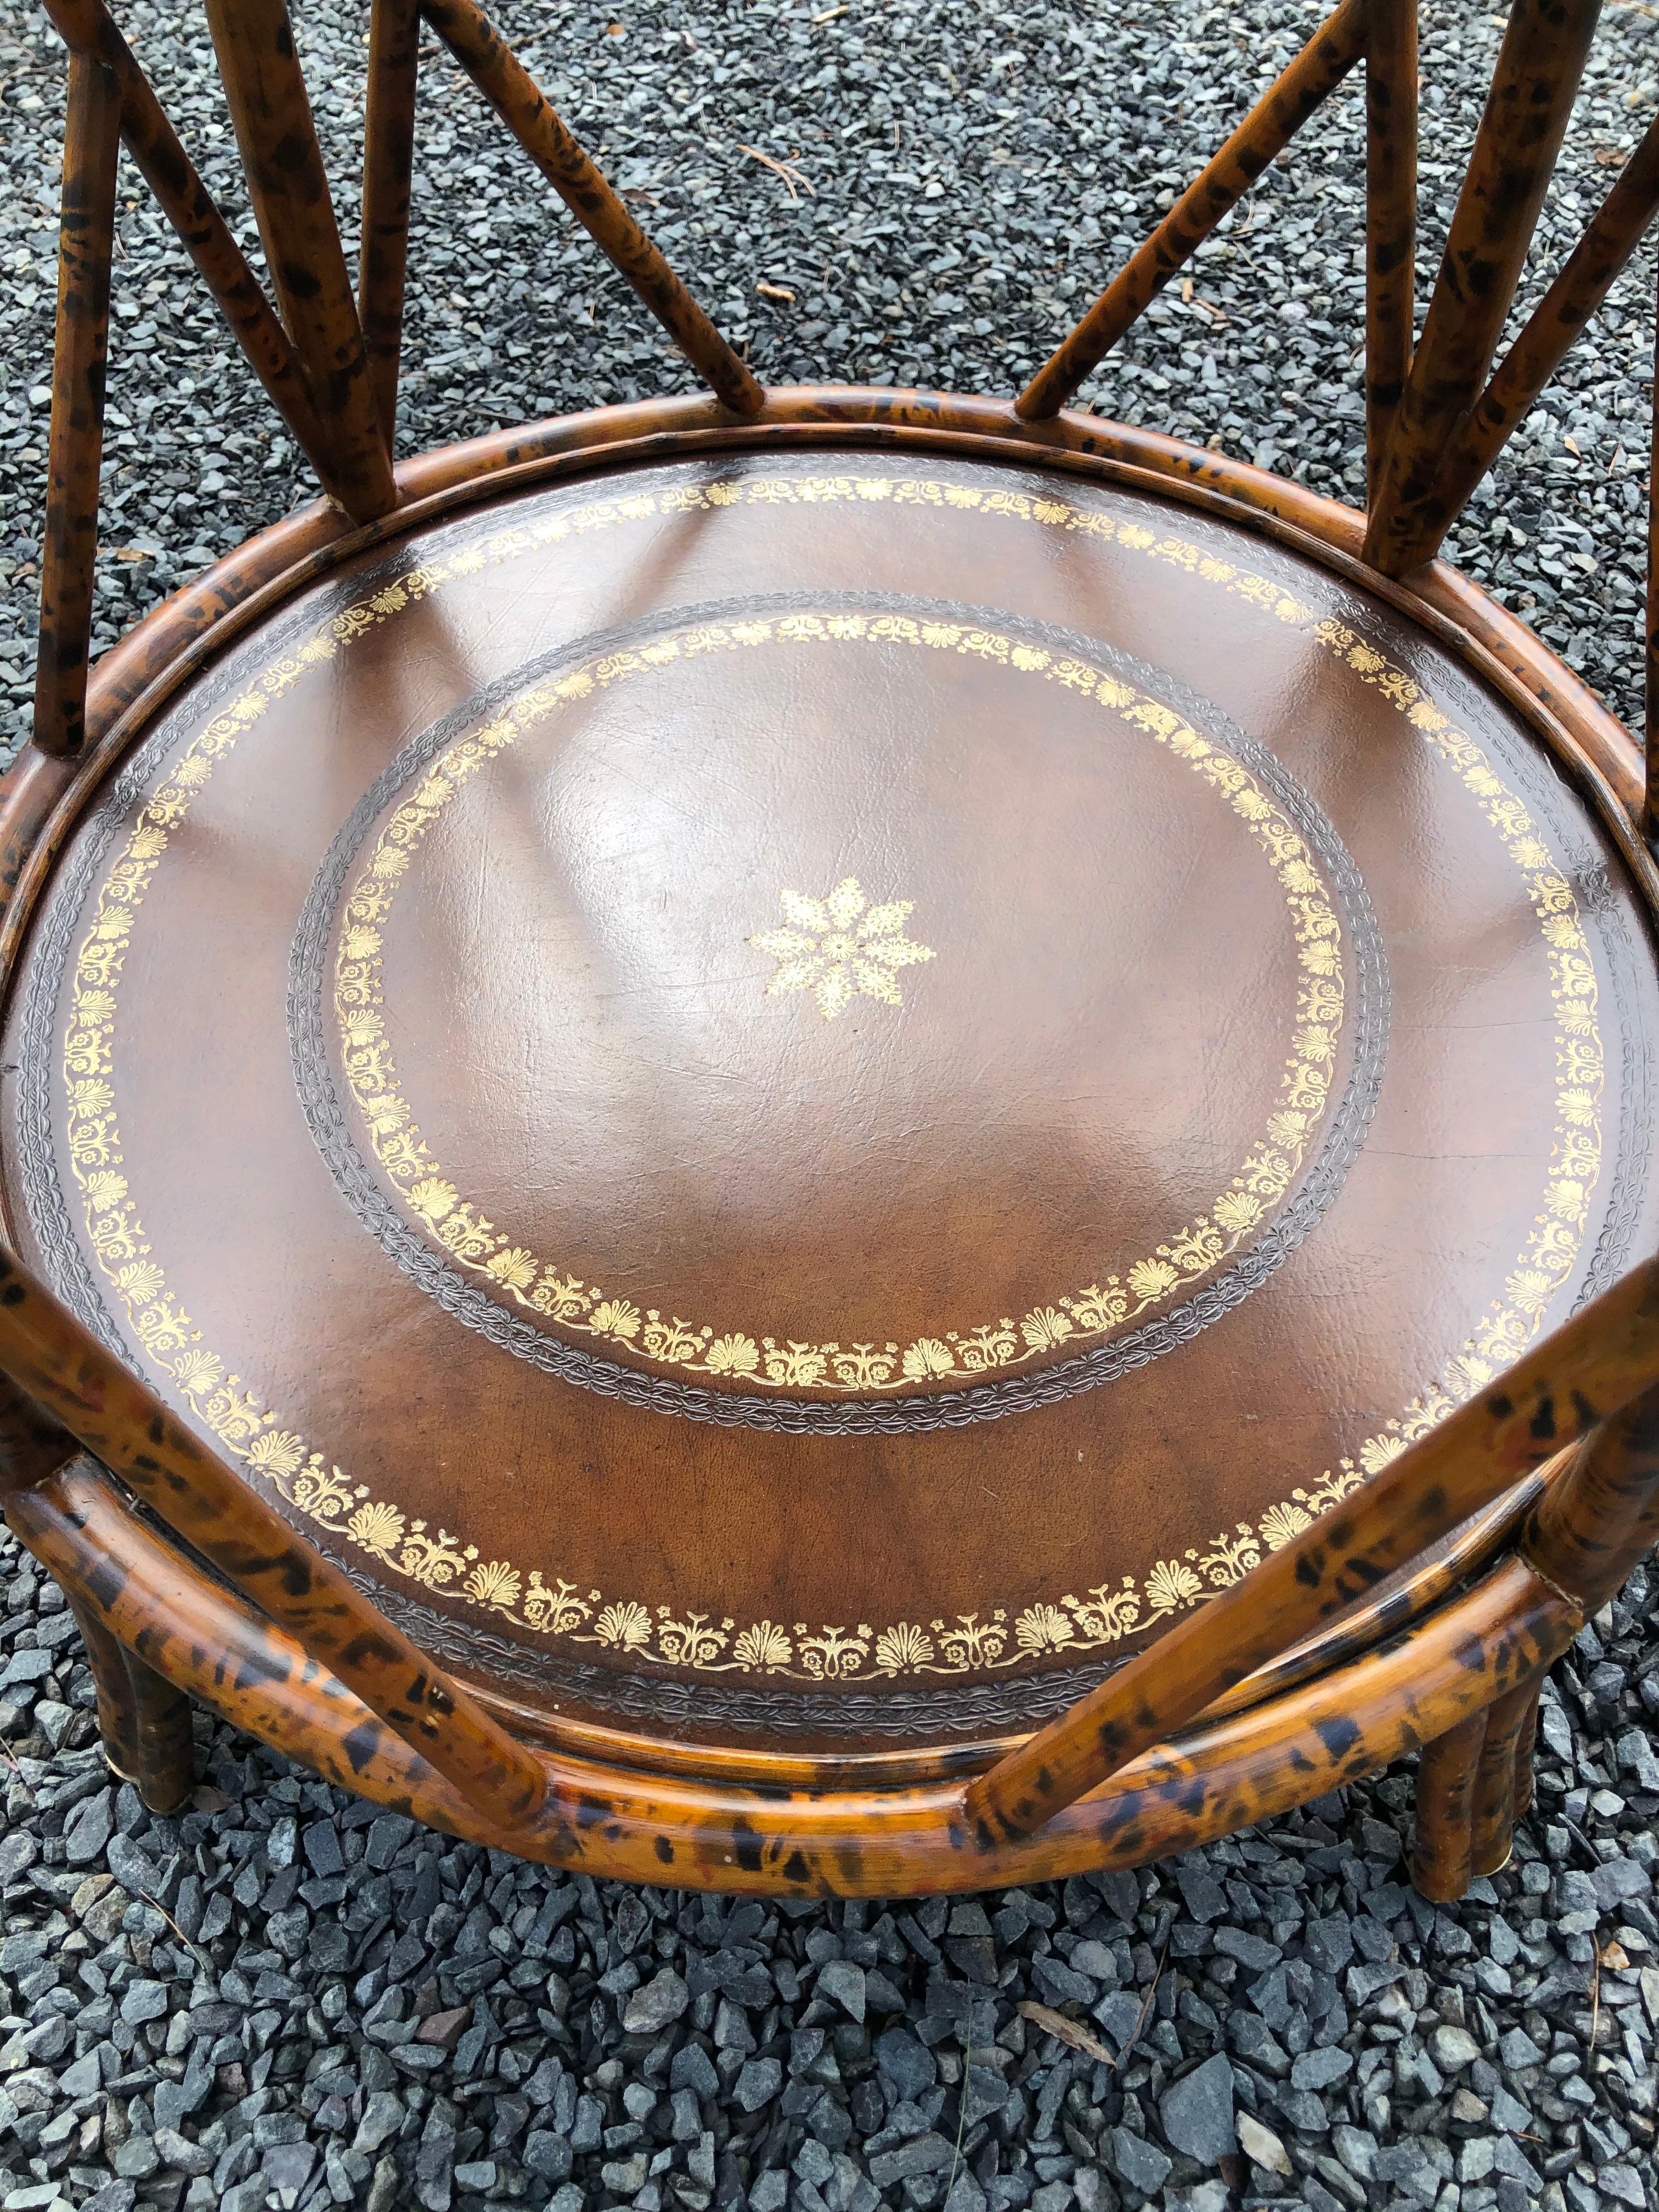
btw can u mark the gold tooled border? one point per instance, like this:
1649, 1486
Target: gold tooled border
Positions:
675, 1638
421, 1182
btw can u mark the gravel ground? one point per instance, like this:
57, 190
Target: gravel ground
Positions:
281, 1998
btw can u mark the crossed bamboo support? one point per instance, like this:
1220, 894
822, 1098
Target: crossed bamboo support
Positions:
1594, 1524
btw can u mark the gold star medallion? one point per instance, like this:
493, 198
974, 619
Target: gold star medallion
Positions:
840, 946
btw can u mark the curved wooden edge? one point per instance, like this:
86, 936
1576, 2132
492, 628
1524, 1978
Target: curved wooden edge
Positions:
851, 1842
39, 798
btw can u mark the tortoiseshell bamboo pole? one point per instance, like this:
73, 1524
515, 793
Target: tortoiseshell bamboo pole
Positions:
31, 1445
1390, 215
818, 1832
92, 145
394, 39
50, 1356
143, 1720
1593, 1524
1441, 1855
1493, 1812
1539, 65
1551, 1395
86, 26
1265, 132
118, 1709
260, 69
1586, 277
513, 93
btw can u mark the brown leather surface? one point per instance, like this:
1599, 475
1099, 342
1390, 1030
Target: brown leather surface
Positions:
1145, 784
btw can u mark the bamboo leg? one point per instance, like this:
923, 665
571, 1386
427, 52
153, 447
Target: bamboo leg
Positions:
254, 41
1390, 216
394, 41
1265, 132
1495, 1808
85, 27
91, 143
144, 1721
1442, 1856
1539, 66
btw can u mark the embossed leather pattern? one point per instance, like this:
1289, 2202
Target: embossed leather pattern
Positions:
804, 1096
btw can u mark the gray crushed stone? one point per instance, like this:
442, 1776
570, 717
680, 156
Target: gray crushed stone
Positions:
284, 1998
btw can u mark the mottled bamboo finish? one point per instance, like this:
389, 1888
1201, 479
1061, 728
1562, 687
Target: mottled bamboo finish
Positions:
394, 39
1441, 1854
1583, 283
91, 143
1590, 1529
806, 1838
516, 97
1390, 216
1553, 1394
143, 1720
1493, 1810
86, 26
254, 42
121, 1422
33, 1445
1266, 131
1539, 66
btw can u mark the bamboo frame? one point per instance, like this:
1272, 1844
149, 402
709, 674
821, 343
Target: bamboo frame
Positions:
1441, 1857
800, 1838
53, 1360
1553, 1394
1582, 284
1241, 1709
304, 1631
86, 28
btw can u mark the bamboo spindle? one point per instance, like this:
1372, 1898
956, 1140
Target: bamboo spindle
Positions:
1390, 216
516, 97
1539, 65
50, 1356
86, 26
91, 143
394, 38
260, 69
1265, 133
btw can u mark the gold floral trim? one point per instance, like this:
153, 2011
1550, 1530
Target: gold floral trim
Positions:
673, 1637
780, 1362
